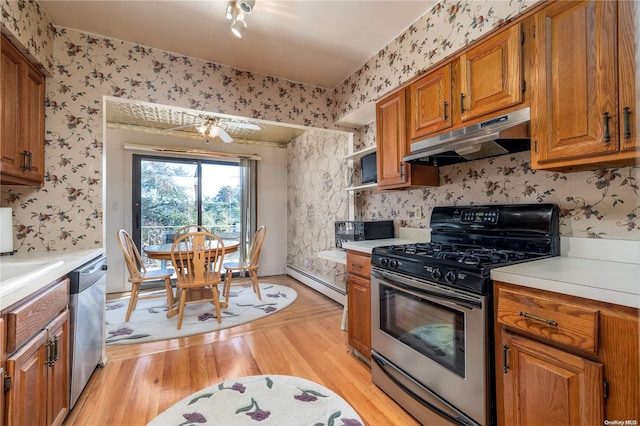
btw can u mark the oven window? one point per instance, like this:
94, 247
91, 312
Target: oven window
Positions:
434, 330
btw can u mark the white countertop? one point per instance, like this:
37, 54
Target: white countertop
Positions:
588, 277
25, 273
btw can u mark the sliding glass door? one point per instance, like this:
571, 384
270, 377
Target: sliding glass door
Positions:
169, 193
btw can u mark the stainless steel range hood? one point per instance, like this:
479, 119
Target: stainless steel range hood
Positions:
500, 135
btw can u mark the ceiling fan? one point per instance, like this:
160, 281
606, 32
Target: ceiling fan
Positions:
209, 128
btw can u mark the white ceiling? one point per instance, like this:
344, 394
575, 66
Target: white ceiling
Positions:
317, 42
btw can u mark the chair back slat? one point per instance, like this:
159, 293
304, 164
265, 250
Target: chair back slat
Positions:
256, 246
197, 258
132, 257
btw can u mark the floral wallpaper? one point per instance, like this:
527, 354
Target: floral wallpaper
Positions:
596, 204
67, 211
316, 199
449, 26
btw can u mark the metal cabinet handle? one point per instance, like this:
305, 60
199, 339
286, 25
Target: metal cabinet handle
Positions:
50, 354
537, 318
605, 120
25, 160
505, 358
402, 166
627, 113
30, 155
462, 110
444, 107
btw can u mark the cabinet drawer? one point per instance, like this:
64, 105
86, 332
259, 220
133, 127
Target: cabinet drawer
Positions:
26, 320
358, 264
552, 319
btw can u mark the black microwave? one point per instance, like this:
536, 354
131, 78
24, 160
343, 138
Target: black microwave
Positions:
348, 231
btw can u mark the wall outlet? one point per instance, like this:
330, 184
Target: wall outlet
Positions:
418, 212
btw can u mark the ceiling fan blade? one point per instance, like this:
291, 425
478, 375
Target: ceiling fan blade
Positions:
248, 126
218, 131
180, 127
224, 136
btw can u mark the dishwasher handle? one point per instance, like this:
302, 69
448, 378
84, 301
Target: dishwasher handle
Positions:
87, 274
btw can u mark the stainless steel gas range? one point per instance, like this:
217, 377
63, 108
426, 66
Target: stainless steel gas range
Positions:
431, 308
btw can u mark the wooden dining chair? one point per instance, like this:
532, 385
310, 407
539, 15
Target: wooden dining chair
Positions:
138, 273
249, 265
197, 258
189, 228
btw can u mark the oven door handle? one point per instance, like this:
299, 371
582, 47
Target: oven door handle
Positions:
457, 299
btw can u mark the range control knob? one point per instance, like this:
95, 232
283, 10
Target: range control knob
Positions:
451, 277
393, 263
384, 261
436, 274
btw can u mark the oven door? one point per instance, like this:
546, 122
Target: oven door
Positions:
435, 336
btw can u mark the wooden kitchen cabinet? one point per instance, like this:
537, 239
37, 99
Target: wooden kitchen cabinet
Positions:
22, 95
37, 366
487, 77
583, 105
359, 303
393, 146
564, 360
491, 74
429, 102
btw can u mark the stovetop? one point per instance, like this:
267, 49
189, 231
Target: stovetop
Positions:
467, 242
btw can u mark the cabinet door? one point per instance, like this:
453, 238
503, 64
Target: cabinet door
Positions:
574, 104
58, 370
12, 159
34, 90
391, 139
359, 311
429, 100
491, 74
628, 22
26, 400
544, 385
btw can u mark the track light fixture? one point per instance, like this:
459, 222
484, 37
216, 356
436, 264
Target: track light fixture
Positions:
236, 12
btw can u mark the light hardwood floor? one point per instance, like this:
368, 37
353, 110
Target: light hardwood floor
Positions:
142, 380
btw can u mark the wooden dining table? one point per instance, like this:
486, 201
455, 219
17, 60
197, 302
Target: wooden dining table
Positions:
163, 252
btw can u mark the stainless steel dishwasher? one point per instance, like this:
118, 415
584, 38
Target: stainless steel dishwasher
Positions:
87, 302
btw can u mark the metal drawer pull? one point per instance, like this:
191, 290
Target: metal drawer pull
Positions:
607, 137
533, 317
356, 265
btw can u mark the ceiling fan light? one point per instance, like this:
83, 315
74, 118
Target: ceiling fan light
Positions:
247, 5
238, 25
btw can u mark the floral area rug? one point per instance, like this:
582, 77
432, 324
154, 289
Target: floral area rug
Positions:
262, 400
149, 321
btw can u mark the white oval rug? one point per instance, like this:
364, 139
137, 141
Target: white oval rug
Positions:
149, 320
262, 400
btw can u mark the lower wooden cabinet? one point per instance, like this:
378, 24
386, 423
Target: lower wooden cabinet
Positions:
359, 303
37, 372
544, 385
564, 360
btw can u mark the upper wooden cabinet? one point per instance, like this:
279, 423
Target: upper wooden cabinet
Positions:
491, 76
485, 78
583, 104
22, 93
430, 103
393, 146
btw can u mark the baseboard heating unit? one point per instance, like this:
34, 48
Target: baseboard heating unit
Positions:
317, 283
